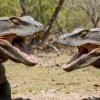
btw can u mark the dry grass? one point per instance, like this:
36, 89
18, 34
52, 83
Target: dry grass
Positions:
39, 79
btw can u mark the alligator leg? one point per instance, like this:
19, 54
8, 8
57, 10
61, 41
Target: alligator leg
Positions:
5, 91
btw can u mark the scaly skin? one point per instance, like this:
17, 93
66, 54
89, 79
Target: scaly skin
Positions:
88, 43
14, 31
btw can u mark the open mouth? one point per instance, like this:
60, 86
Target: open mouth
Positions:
16, 49
83, 51
19, 44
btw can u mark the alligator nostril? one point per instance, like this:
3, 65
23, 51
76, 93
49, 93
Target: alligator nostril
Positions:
64, 38
36, 26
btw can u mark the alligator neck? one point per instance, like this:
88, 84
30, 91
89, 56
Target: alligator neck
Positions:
2, 74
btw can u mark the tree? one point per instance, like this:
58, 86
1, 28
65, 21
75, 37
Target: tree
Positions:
53, 17
91, 8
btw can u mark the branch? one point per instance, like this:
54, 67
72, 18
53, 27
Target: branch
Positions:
56, 50
84, 9
52, 19
22, 7
60, 28
97, 21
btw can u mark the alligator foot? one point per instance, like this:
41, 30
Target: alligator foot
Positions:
5, 91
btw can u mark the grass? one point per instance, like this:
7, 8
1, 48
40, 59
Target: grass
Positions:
25, 79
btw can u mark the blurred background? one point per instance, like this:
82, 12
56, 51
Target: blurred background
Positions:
58, 17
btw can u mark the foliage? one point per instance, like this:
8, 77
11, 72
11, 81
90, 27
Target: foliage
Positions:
68, 18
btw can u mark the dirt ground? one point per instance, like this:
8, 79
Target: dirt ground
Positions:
47, 80
54, 96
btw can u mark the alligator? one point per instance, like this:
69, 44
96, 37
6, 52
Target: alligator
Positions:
87, 42
14, 31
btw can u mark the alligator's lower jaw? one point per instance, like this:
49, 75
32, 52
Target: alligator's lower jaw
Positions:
76, 60
23, 55
14, 48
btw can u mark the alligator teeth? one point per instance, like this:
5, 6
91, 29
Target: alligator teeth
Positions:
34, 36
28, 38
42, 34
38, 35
63, 46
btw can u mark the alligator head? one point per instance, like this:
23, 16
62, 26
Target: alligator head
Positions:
88, 45
14, 31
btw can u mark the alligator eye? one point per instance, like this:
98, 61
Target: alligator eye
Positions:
36, 26
83, 33
15, 21
64, 38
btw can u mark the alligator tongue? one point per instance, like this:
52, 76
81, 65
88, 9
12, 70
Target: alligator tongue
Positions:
17, 52
23, 48
78, 55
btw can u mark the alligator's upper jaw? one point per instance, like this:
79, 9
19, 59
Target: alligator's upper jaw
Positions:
82, 58
14, 48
